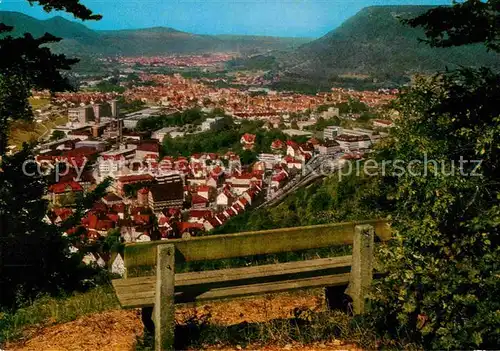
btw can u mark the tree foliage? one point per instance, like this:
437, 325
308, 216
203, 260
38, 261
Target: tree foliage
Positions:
468, 22
443, 265
34, 256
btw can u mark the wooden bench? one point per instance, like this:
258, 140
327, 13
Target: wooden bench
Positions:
165, 289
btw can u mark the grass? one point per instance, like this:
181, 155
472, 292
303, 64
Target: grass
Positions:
25, 132
305, 327
50, 310
38, 103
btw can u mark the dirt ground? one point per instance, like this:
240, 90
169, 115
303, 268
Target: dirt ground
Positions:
119, 330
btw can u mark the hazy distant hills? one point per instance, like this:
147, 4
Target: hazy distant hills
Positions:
375, 43
78, 39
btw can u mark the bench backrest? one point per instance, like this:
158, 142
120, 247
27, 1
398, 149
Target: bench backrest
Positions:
165, 288
252, 243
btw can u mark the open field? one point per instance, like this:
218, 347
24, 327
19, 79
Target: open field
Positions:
25, 132
38, 103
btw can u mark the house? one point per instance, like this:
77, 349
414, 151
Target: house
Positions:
210, 224
147, 149
220, 218
306, 149
269, 160
94, 259
131, 179
119, 209
166, 195
65, 192
314, 143
199, 215
206, 191
245, 179
239, 189
184, 228
118, 265
382, 123
225, 198
61, 214
198, 201
212, 182
243, 202
292, 148
248, 141
112, 199
279, 180
277, 145
292, 163
142, 197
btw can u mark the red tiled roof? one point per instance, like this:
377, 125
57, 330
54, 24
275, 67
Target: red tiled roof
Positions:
143, 191
141, 219
313, 141
279, 177
277, 144
61, 188
383, 121
118, 208
183, 226
149, 147
135, 178
200, 214
248, 138
198, 199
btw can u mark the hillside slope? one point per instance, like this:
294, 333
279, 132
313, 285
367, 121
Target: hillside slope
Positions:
78, 39
376, 43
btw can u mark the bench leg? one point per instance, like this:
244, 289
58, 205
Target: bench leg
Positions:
164, 311
362, 267
147, 321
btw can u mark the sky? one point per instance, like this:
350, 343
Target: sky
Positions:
291, 18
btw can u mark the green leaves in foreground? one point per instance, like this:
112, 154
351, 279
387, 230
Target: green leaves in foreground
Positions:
444, 264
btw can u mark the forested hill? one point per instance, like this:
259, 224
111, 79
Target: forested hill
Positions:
78, 39
374, 42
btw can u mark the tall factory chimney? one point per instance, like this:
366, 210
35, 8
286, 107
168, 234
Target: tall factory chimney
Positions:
97, 113
115, 113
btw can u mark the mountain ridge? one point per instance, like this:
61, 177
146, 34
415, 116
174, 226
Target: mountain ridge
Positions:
79, 39
375, 43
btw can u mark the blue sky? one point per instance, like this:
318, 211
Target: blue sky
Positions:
306, 18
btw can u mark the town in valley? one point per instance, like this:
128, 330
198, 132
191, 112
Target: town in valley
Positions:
184, 153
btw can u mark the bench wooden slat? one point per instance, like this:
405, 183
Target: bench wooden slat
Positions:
271, 270
267, 288
146, 298
264, 242
139, 292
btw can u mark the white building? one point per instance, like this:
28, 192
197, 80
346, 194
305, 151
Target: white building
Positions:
212, 124
331, 112
270, 160
331, 132
353, 142
161, 133
329, 147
